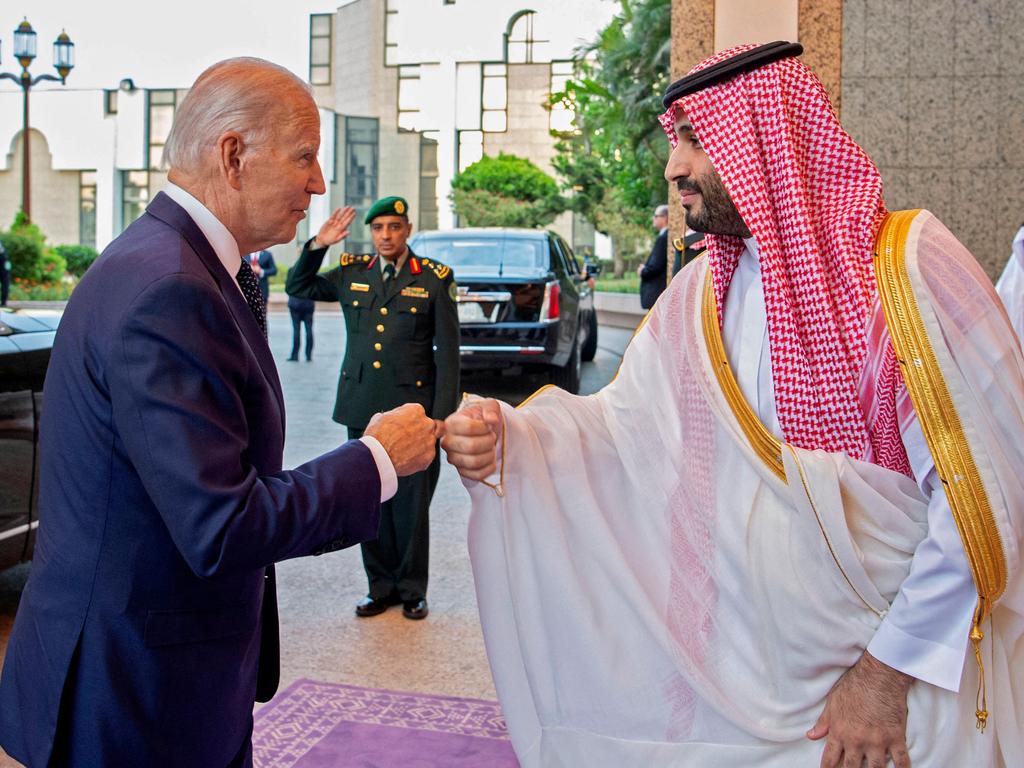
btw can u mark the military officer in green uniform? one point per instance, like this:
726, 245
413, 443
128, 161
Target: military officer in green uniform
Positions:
402, 345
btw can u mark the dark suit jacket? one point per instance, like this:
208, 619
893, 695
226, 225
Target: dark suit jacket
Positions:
266, 262
162, 503
652, 279
402, 340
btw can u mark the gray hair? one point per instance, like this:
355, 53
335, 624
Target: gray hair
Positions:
661, 210
241, 94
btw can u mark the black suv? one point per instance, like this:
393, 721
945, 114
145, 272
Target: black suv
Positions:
523, 300
25, 342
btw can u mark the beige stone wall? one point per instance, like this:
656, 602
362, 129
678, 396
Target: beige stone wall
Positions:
527, 135
54, 193
934, 91
529, 87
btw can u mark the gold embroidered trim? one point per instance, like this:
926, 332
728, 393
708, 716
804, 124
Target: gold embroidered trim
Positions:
765, 444
943, 430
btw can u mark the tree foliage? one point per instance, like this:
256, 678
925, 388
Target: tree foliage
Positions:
506, 191
78, 257
615, 157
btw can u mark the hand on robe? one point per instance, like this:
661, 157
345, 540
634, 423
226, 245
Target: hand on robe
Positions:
408, 435
471, 438
865, 717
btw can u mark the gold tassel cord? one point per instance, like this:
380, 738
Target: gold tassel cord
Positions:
981, 700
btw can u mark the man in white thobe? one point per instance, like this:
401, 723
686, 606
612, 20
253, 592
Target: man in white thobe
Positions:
788, 532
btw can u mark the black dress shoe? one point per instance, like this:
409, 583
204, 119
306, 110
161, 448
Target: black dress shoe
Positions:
415, 609
368, 606
293, 359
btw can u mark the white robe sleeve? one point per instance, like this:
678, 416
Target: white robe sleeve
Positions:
925, 632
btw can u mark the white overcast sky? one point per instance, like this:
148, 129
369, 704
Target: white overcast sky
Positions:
160, 45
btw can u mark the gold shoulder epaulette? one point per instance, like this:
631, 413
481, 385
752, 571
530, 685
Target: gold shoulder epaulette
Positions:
440, 270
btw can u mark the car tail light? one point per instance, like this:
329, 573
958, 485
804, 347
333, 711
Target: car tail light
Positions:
549, 309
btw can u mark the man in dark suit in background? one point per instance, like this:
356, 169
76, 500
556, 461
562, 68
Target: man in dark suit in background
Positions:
149, 622
5, 275
652, 273
263, 266
402, 344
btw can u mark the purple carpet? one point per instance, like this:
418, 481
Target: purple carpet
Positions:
321, 725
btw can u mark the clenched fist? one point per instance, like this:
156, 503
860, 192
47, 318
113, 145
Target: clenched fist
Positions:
471, 439
408, 435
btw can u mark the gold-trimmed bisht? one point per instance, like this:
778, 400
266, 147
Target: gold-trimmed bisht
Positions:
943, 431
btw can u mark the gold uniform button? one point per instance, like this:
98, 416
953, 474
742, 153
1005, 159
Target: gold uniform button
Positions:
413, 310
355, 303
383, 310
380, 328
376, 363
378, 346
419, 383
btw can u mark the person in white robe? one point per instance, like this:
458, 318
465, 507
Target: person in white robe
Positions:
788, 533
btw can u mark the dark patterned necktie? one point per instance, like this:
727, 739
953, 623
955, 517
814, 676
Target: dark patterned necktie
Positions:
250, 285
389, 273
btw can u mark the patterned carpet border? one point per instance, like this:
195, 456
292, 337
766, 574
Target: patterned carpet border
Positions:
306, 711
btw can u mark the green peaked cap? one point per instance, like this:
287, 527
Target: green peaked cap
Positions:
388, 206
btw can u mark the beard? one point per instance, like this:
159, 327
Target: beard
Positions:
717, 215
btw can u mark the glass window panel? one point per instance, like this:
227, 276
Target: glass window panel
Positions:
495, 69
320, 24
320, 75
516, 53
471, 148
565, 68
562, 119
495, 122
320, 51
110, 105
89, 179
161, 97
156, 156
160, 121
495, 94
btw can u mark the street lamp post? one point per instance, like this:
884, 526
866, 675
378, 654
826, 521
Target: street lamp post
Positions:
25, 52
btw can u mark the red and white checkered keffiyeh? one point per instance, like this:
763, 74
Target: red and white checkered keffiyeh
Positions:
812, 199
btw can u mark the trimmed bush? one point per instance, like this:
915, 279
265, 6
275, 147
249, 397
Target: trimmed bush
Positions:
25, 253
506, 191
78, 257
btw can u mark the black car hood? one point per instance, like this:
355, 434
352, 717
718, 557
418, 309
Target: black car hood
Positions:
31, 321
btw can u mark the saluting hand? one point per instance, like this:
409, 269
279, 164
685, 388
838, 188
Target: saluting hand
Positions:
408, 435
471, 438
335, 229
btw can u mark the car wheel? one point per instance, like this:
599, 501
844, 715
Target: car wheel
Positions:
590, 345
568, 376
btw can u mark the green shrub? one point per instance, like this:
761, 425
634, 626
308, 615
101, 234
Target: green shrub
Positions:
52, 267
25, 254
506, 191
78, 257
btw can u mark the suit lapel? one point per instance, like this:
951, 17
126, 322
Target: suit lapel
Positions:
172, 214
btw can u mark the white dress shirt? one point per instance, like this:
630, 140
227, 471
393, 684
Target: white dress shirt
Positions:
925, 632
226, 248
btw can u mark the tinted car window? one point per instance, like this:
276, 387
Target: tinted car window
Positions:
497, 253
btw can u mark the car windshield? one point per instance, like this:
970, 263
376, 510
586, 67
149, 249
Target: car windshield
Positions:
501, 254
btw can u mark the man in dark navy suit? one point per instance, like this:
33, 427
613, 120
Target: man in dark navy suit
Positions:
149, 623
262, 263
652, 272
